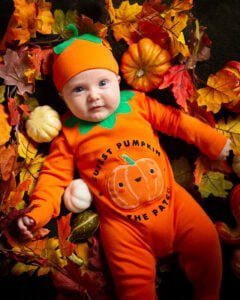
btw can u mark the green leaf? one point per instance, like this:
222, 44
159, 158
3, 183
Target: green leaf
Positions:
215, 184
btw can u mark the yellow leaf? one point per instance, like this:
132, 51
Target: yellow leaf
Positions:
45, 18
215, 184
124, 20
61, 20
25, 148
231, 129
174, 25
31, 170
5, 128
220, 89
19, 268
2, 92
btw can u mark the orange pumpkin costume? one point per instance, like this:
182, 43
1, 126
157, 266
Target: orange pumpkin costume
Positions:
143, 212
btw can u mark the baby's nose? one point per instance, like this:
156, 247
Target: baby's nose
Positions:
93, 95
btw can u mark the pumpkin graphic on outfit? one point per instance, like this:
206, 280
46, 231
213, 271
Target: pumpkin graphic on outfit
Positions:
136, 182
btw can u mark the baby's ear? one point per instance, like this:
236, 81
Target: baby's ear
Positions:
119, 78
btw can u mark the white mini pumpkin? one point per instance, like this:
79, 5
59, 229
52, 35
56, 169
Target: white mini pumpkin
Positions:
77, 196
43, 124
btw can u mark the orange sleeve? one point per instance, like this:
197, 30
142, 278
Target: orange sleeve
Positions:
172, 121
56, 174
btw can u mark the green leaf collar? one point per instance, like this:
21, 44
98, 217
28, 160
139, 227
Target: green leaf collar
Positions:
123, 108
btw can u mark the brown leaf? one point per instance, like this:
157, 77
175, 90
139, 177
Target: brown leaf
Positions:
13, 71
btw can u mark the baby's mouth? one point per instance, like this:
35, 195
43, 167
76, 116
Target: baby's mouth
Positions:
97, 107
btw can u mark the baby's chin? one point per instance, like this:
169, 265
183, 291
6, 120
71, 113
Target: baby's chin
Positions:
97, 117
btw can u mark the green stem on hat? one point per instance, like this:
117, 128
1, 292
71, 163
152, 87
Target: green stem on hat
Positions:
128, 160
73, 28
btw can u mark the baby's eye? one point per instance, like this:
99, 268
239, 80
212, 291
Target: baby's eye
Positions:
78, 89
102, 82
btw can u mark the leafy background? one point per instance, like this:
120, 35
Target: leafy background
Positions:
222, 21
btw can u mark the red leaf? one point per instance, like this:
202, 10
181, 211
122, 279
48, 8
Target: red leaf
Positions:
25, 109
180, 81
14, 113
64, 230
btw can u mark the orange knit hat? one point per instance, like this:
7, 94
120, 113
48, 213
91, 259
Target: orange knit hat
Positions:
78, 54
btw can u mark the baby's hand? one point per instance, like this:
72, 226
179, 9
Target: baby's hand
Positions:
25, 224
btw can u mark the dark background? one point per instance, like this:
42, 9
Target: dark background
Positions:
222, 19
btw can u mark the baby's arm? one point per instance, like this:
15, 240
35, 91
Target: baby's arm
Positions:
25, 225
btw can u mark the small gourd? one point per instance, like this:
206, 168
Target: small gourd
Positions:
144, 63
43, 124
233, 69
77, 196
84, 226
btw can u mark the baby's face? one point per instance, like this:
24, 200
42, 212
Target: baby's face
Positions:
92, 95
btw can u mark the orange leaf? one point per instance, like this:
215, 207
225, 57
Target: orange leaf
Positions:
7, 161
64, 230
16, 197
22, 23
5, 127
219, 90
124, 19
41, 60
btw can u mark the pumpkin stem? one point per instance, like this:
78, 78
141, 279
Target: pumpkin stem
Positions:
140, 73
128, 160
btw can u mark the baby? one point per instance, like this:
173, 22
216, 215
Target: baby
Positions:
111, 137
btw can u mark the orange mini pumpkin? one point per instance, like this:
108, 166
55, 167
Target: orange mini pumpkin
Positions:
144, 64
233, 68
135, 183
227, 234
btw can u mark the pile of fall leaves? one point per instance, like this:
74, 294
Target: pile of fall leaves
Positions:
25, 59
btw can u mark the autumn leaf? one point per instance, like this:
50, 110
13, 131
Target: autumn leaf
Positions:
2, 92
77, 281
25, 148
86, 25
31, 169
200, 113
7, 161
61, 20
14, 112
203, 165
219, 90
231, 129
181, 5
5, 128
181, 83
64, 230
123, 19
215, 184
41, 60
44, 19
16, 196
13, 71
182, 172
44, 254
174, 25
22, 23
